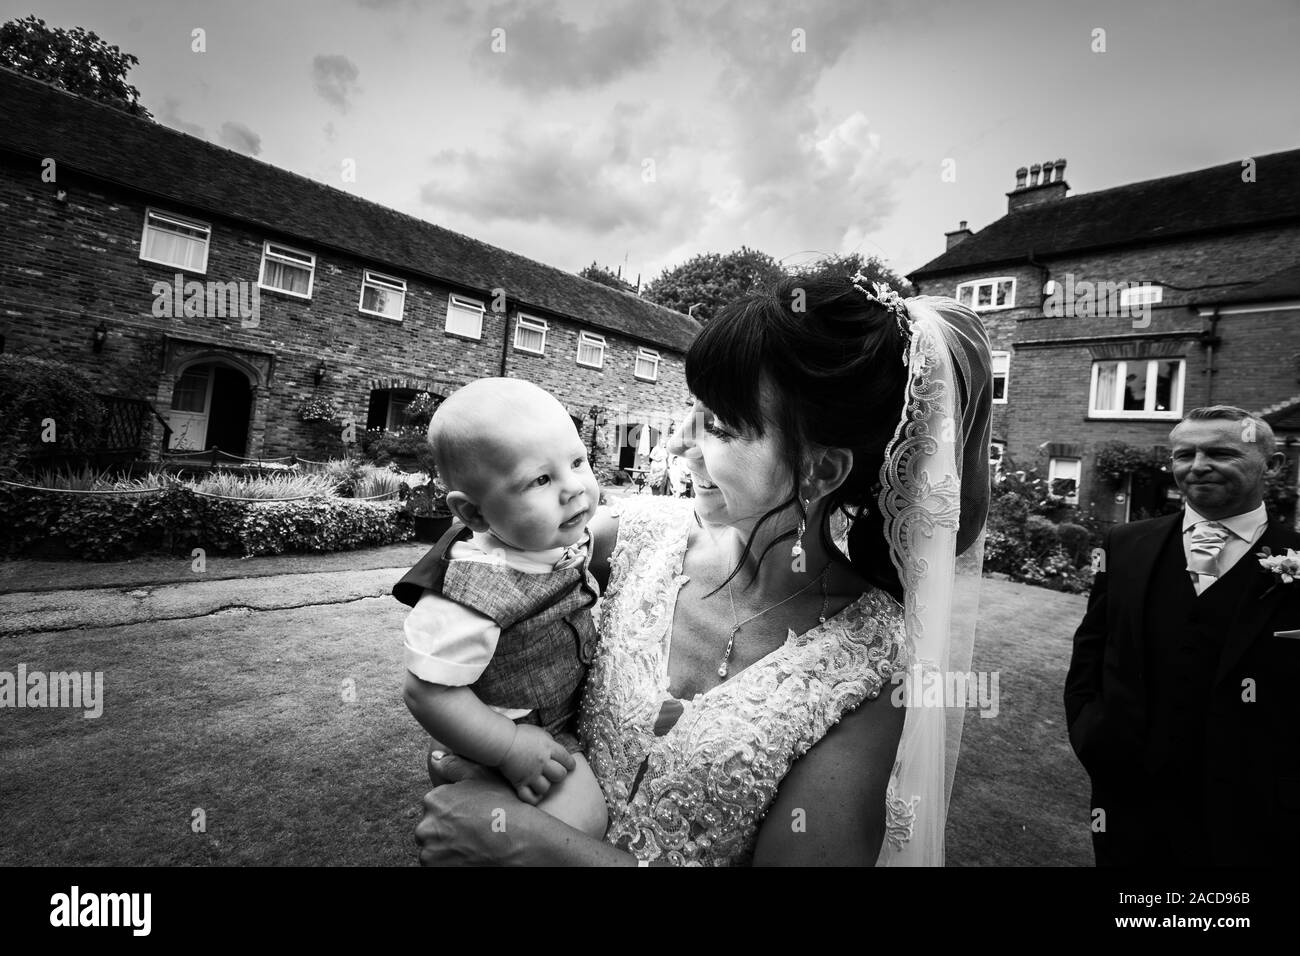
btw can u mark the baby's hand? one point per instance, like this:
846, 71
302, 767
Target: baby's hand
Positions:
534, 762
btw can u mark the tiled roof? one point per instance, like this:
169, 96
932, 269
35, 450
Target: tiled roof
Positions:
1207, 200
39, 120
1285, 416
1279, 287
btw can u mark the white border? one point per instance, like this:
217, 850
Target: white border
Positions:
468, 305
592, 339
181, 221
287, 260
371, 277
533, 325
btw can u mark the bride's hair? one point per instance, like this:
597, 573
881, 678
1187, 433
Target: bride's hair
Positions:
835, 358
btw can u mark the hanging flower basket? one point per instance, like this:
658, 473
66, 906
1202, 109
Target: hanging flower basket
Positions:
318, 410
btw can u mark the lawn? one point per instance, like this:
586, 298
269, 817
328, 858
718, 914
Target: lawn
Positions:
286, 729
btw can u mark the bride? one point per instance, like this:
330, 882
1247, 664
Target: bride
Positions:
747, 705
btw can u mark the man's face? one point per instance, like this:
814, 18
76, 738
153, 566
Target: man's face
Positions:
1219, 472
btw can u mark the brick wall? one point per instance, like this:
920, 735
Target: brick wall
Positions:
65, 266
1256, 362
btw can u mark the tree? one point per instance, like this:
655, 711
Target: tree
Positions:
602, 275
76, 60
852, 263
712, 281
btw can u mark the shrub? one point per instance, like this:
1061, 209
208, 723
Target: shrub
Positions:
113, 527
410, 444
1041, 537
1076, 542
35, 389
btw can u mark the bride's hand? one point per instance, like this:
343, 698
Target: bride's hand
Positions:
476, 822
446, 767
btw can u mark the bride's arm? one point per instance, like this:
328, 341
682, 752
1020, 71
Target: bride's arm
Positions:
479, 821
830, 808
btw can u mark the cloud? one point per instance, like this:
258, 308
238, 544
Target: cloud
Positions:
240, 138
589, 178
544, 52
169, 115
335, 79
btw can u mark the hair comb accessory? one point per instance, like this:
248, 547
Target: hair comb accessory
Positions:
883, 295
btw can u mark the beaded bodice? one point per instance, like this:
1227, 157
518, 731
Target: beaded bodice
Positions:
695, 791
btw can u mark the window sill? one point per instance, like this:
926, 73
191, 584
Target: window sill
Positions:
286, 293
1135, 417
594, 368
462, 335
541, 354
380, 315
171, 265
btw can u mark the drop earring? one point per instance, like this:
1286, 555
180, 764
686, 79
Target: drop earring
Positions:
798, 538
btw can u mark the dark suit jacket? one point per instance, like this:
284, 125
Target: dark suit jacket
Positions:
1252, 748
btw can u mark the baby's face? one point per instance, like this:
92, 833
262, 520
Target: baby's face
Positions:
536, 489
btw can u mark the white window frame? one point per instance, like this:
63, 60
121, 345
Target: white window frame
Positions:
464, 305
1148, 294
388, 284
292, 259
531, 324
993, 283
593, 340
1121, 376
648, 355
175, 220
1006, 377
1052, 475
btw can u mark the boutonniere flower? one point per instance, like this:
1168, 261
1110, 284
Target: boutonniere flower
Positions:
1285, 568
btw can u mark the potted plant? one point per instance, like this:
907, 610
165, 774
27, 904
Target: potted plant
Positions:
427, 506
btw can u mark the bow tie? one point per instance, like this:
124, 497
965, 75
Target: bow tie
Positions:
572, 557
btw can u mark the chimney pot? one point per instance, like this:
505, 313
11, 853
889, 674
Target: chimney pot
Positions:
1033, 174
1060, 170
962, 224
1021, 173
1047, 171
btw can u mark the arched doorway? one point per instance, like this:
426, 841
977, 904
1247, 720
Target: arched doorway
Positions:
210, 407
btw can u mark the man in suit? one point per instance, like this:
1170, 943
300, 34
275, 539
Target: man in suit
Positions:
1183, 694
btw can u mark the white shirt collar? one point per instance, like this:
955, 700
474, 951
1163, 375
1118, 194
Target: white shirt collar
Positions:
1246, 526
490, 544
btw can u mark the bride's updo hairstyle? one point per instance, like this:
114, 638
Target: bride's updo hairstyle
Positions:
835, 358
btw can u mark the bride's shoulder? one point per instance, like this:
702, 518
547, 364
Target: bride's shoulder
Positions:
649, 514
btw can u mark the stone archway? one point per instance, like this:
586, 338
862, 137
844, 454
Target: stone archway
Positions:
237, 386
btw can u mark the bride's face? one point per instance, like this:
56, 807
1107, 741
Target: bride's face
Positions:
738, 476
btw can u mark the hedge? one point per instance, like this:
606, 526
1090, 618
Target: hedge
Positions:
111, 527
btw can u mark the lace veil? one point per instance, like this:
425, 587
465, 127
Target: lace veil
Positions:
934, 500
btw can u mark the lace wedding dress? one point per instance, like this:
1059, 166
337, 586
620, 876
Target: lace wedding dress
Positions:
694, 791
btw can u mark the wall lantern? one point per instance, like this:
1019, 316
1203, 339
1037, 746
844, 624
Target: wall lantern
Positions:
320, 372
101, 336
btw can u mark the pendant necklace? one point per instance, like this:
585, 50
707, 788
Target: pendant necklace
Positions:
737, 625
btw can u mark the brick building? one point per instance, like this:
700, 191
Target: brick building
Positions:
227, 292
1113, 312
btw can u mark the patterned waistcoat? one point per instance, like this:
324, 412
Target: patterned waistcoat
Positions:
547, 635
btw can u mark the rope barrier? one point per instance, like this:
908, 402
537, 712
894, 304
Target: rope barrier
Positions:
79, 491
204, 494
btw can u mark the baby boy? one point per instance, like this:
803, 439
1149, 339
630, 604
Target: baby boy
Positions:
500, 633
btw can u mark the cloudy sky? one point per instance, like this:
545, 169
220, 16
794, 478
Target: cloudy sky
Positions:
645, 131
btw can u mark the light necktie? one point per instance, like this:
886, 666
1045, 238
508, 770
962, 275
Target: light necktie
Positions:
1208, 539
